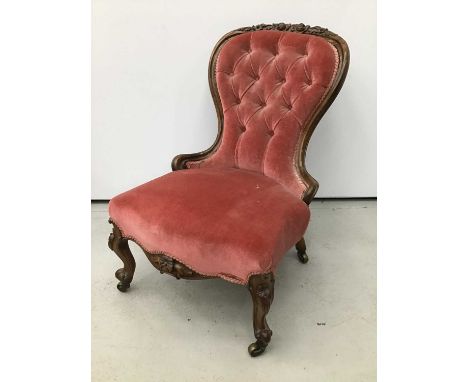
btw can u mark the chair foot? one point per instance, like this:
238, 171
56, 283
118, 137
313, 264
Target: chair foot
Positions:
261, 289
123, 285
256, 348
120, 246
301, 251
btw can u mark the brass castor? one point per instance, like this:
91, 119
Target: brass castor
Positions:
256, 348
123, 286
124, 283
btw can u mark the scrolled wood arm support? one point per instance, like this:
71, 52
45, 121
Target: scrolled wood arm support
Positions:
180, 161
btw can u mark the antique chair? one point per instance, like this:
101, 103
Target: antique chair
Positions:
233, 210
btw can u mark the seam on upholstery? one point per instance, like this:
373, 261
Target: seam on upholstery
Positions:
260, 71
238, 118
290, 66
247, 89
297, 119
295, 99
229, 108
307, 45
279, 120
309, 77
222, 71
277, 70
236, 159
266, 147
250, 56
220, 275
282, 95
266, 123
237, 62
273, 91
255, 112
232, 88
264, 156
283, 34
251, 66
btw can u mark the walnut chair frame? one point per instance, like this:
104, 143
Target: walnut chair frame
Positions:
261, 286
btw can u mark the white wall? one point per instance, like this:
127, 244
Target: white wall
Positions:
151, 101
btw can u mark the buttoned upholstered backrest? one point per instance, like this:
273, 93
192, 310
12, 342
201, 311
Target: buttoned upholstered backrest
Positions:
272, 86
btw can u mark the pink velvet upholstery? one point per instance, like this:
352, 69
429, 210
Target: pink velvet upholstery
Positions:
230, 223
238, 211
269, 83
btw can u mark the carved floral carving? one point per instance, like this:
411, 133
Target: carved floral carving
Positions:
165, 264
299, 28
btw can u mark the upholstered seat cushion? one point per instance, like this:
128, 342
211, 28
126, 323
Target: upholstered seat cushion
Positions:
229, 222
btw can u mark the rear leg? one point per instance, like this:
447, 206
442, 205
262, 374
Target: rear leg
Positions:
301, 251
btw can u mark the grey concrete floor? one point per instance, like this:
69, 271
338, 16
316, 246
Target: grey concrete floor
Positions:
165, 329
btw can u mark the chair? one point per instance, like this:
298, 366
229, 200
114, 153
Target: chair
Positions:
233, 210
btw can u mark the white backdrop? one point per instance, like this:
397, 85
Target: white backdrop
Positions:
151, 100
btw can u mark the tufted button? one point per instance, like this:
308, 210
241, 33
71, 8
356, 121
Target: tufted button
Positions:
289, 107
262, 104
270, 133
256, 78
308, 82
238, 101
242, 128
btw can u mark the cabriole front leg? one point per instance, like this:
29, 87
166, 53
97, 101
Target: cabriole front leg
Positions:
261, 288
119, 245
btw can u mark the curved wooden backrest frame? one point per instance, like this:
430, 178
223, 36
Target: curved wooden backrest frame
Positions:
180, 161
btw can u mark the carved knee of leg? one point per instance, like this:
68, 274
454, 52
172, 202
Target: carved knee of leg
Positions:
119, 245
